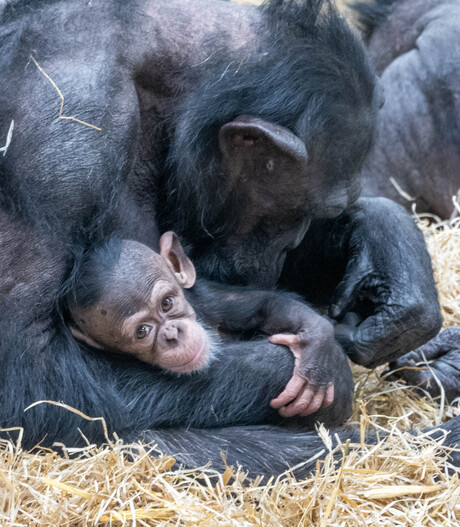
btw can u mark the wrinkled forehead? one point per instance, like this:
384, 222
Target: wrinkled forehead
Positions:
131, 288
125, 288
138, 265
133, 278
136, 260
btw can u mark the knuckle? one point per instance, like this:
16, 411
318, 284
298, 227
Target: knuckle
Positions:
315, 405
302, 339
304, 374
299, 406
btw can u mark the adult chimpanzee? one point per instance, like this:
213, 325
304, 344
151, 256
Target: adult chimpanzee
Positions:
416, 48
238, 127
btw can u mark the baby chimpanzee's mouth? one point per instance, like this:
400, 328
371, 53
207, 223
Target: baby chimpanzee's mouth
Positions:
196, 363
193, 359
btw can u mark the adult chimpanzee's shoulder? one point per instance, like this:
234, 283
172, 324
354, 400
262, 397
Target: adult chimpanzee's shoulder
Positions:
370, 15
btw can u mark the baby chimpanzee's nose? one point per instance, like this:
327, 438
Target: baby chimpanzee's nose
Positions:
172, 333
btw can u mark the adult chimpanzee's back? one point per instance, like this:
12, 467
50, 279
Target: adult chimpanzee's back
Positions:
416, 49
237, 127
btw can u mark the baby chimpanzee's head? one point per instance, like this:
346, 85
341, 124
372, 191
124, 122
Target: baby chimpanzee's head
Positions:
130, 299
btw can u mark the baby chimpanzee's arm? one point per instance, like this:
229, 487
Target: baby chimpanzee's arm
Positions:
291, 323
240, 309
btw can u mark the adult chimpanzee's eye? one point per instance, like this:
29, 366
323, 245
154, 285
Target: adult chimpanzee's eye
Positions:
167, 303
142, 331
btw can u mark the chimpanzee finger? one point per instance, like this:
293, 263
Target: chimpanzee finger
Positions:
292, 390
300, 404
348, 289
443, 371
380, 338
315, 403
329, 397
411, 373
288, 340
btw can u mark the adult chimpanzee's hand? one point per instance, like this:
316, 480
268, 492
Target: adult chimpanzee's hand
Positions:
388, 282
434, 364
312, 384
371, 265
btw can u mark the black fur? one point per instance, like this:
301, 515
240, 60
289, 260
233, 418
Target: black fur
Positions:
92, 270
416, 50
158, 78
303, 90
372, 14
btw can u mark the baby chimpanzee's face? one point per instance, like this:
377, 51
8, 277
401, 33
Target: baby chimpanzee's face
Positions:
143, 311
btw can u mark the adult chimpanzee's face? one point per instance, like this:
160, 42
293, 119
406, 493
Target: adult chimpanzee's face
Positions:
281, 182
143, 311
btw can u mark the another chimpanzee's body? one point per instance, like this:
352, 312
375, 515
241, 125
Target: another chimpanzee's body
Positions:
235, 126
415, 45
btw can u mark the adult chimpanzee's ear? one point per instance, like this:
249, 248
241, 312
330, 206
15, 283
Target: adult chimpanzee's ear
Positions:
177, 260
85, 338
247, 141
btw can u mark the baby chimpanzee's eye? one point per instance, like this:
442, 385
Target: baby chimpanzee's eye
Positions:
142, 331
167, 303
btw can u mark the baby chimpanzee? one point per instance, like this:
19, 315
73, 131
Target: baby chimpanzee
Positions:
127, 298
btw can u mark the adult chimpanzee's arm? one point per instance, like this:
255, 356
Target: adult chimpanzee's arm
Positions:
236, 388
371, 260
45, 364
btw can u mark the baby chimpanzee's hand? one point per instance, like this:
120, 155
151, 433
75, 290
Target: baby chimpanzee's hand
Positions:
312, 384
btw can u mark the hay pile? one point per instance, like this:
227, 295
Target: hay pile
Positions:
400, 481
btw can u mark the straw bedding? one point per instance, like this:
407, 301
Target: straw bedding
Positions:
402, 480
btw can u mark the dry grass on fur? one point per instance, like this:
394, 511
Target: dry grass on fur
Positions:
401, 481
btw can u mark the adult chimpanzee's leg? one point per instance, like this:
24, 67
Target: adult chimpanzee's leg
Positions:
371, 260
261, 450
266, 450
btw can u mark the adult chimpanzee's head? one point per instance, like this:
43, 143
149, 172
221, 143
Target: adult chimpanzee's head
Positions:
128, 298
274, 136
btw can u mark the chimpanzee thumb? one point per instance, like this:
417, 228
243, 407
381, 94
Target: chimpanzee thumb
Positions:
347, 291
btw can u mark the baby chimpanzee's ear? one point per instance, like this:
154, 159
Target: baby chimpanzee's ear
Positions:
85, 338
175, 257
